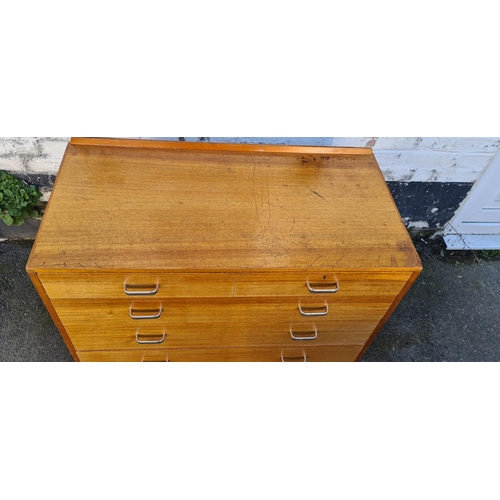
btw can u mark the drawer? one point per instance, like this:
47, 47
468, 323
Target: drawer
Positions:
136, 285
345, 284
107, 324
144, 285
278, 353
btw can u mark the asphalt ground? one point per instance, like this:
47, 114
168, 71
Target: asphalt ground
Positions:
451, 313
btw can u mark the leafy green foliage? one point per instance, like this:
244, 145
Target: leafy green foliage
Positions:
18, 200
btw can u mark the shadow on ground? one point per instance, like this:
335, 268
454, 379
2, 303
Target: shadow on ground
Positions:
27, 332
450, 314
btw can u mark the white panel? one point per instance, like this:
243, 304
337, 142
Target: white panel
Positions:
487, 217
477, 221
472, 242
483, 224
431, 166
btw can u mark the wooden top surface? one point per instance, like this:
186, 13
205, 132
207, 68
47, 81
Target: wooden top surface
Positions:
121, 204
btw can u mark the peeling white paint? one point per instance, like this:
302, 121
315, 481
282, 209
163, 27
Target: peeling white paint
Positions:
26, 155
403, 166
428, 159
421, 224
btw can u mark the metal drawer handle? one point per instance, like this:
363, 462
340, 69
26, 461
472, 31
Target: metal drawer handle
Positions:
313, 337
127, 288
313, 287
320, 313
153, 316
149, 341
293, 357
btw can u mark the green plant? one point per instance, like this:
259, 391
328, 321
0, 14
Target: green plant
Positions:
17, 200
489, 254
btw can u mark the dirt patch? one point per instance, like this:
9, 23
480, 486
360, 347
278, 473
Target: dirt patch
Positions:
431, 247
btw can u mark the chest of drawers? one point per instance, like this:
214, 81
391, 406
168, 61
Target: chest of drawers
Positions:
162, 251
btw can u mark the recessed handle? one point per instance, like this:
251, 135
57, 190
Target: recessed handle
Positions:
139, 341
284, 359
143, 316
310, 336
322, 312
320, 287
140, 289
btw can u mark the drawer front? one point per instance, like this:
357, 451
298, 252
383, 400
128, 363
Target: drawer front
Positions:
375, 286
162, 285
103, 325
136, 285
277, 354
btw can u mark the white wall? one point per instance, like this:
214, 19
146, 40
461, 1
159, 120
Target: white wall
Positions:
35, 155
32, 155
428, 159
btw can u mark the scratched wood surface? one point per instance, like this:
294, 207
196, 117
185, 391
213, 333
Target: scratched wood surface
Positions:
139, 208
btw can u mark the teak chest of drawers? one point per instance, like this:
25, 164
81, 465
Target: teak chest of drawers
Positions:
162, 251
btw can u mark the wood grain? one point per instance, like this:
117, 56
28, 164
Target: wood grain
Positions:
106, 324
227, 236
352, 284
185, 210
290, 354
111, 285
214, 146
